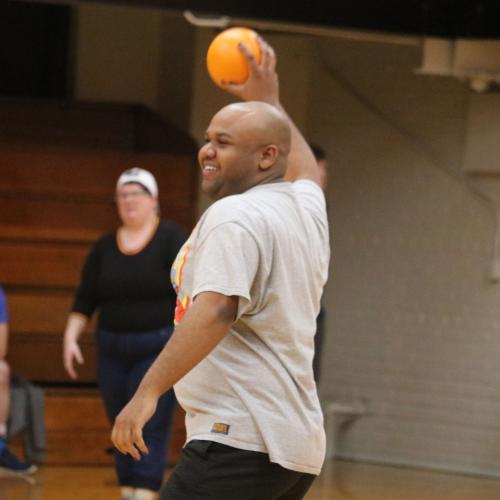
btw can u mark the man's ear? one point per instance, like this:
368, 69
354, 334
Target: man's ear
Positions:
268, 157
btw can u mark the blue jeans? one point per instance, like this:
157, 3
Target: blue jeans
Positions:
122, 361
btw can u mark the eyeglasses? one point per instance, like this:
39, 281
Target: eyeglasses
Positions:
133, 195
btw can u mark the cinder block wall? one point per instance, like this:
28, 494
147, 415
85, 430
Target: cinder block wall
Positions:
413, 319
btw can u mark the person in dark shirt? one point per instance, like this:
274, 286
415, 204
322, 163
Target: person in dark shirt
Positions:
126, 277
320, 156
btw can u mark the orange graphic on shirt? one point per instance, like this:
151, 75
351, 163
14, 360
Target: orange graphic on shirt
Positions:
181, 308
183, 301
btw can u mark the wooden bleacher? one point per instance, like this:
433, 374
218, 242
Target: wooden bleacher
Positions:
59, 162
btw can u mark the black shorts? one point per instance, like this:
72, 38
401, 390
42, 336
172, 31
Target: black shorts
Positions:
210, 470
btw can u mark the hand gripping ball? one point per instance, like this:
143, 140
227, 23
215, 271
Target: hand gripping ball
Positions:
225, 62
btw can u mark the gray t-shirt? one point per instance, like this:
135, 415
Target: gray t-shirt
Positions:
255, 390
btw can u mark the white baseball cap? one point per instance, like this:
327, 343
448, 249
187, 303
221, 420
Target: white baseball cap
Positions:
139, 176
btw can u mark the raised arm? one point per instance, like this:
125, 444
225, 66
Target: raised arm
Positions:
263, 85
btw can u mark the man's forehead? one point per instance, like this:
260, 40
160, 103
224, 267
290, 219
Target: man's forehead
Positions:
230, 121
218, 131
235, 112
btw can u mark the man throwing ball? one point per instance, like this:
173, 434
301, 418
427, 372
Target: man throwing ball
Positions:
249, 282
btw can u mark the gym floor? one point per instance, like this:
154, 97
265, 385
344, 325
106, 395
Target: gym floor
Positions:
340, 480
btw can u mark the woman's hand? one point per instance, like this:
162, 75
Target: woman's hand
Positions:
71, 352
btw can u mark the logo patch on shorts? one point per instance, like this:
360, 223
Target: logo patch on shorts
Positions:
219, 428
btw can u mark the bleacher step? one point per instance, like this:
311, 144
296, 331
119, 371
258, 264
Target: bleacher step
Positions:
78, 432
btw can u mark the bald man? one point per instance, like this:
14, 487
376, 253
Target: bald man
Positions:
249, 282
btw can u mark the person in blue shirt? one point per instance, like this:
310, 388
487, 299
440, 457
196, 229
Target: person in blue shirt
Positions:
8, 461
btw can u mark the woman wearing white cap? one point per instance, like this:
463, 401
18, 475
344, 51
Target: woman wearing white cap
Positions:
126, 278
